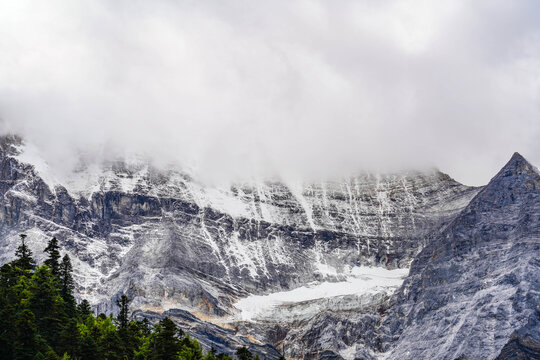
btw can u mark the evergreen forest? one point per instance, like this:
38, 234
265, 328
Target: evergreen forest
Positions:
40, 319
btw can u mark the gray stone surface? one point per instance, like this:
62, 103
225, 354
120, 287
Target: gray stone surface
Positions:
478, 280
191, 251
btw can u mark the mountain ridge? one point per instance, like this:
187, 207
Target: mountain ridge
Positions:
484, 260
179, 249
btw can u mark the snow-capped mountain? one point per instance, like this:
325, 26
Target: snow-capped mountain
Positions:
308, 269
478, 280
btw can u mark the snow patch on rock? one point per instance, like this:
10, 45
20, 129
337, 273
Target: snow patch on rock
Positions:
359, 281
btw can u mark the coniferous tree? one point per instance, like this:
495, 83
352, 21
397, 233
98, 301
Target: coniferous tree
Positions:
111, 346
122, 320
27, 341
84, 309
9, 302
47, 305
70, 339
167, 344
53, 261
66, 279
51, 355
38, 322
67, 285
132, 337
89, 349
190, 349
244, 354
24, 256
145, 327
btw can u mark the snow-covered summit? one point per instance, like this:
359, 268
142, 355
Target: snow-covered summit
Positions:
175, 244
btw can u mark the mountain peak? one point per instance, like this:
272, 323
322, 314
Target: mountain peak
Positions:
517, 165
517, 158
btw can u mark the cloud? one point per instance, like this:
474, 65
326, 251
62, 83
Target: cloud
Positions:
298, 88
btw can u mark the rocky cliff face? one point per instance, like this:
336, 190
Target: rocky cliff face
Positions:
128, 221
194, 251
478, 280
524, 343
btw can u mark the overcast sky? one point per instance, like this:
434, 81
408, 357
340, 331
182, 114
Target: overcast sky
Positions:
302, 88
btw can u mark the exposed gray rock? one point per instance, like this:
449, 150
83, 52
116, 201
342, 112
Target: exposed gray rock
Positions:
167, 240
478, 280
179, 248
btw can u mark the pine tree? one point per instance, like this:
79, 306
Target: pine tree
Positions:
66, 279
89, 349
47, 305
244, 354
132, 337
84, 310
67, 285
190, 349
27, 342
70, 339
24, 256
145, 327
40, 321
122, 320
167, 345
51, 355
111, 346
9, 301
53, 261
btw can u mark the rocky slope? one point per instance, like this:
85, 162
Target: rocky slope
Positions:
478, 280
193, 251
263, 237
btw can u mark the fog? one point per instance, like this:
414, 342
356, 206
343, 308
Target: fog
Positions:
238, 89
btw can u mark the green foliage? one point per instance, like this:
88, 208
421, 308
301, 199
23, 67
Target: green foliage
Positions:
46, 304
24, 256
53, 261
41, 321
122, 320
27, 340
84, 310
67, 286
89, 349
244, 354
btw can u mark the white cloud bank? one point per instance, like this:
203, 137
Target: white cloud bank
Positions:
301, 88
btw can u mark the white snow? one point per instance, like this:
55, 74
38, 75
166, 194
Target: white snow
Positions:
348, 353
22, 195
360, 280
31, 155
220, 199
78, 182
296, 190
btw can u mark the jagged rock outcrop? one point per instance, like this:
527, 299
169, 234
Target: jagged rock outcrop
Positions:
520, 348
478, 280
179, 248
524, 344
160, 228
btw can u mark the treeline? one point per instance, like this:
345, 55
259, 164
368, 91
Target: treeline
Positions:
40, 319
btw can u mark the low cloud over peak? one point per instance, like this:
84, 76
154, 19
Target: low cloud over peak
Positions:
301, 88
